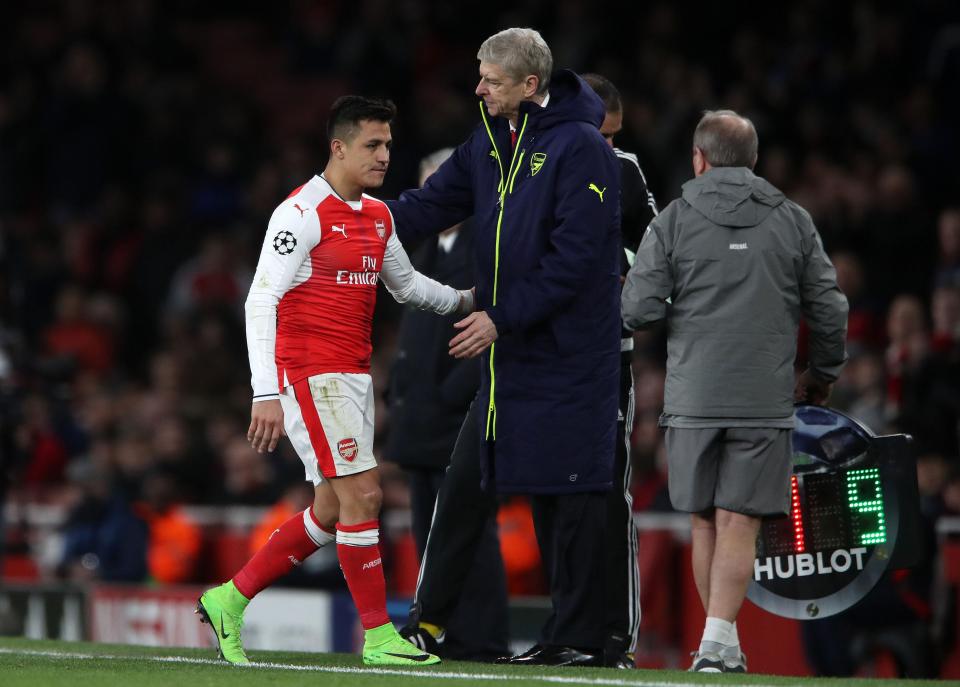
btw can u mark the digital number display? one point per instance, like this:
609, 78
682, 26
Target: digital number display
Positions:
865, 501
838, 510
796, 516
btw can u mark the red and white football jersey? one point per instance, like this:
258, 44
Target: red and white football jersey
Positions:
310, 307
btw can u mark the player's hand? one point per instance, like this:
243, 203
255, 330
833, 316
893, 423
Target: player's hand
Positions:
266, 425
810, 389
477, 332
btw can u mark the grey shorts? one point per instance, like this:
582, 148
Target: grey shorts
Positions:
741, 469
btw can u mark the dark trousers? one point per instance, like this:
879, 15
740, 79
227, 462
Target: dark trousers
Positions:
622, 572
570, 531
424, 484
462, 585
459, 528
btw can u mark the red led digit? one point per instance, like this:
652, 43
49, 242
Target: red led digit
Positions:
797, 516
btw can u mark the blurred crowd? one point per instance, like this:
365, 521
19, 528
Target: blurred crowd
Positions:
143, 146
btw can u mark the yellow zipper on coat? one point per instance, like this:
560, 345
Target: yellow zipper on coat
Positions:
503, 188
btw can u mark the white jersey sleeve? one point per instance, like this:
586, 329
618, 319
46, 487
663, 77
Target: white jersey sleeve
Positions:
407, 285
284, 263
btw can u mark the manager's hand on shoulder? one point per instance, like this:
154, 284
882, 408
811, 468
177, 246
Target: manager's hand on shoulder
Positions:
266, 425
477, 332
810, 389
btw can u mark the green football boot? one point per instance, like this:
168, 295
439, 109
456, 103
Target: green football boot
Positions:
222, 609
383, 646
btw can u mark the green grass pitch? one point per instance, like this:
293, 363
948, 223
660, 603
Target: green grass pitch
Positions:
31, 663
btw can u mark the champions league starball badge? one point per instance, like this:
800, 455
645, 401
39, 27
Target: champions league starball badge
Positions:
854, 513
284, 242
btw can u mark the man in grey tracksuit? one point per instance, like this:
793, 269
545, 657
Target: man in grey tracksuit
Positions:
732, 265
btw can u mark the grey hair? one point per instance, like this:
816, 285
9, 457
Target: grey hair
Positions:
519, 52
726, 139
434, 160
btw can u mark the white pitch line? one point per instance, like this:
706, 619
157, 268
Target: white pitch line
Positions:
414, 672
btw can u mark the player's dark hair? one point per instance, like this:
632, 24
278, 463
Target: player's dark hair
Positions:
608, 93
349, 110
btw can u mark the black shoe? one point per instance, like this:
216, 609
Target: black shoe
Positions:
526, 655
422, 639
557, 656
622, 660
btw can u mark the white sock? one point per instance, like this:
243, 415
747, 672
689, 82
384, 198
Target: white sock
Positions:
732, 648
716, 635
320, 536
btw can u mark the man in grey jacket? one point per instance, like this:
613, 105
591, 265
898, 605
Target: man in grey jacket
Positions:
732, 265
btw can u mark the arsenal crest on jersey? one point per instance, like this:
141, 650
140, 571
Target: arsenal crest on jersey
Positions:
381, 228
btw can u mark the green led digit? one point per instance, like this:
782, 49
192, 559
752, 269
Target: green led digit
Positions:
865, 498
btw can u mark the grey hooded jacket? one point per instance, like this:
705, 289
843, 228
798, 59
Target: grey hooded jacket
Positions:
739, 264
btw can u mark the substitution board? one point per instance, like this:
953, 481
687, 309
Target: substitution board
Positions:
854, 514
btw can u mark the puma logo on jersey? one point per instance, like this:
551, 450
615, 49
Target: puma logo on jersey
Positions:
302, 211
342, 229
596, 189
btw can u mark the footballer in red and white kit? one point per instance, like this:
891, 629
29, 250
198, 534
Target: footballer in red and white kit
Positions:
309, 316
309, 319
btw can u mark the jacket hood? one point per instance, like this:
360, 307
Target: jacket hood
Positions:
732, 196
571, 100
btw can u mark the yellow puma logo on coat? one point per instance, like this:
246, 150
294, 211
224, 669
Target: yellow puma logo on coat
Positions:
596, 189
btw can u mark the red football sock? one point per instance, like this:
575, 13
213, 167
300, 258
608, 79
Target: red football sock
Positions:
359, 552
288, 546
